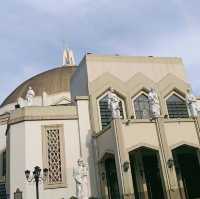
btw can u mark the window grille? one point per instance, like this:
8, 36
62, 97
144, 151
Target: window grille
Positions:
54, 155
177, 107
105, 113
142, 108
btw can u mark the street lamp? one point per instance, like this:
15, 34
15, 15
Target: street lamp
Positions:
36, 177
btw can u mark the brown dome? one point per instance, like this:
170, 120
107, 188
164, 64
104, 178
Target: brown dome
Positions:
52, 81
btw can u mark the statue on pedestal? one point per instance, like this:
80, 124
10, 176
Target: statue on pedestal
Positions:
81, 179
29, 96
194, 107
113, 104
154, 103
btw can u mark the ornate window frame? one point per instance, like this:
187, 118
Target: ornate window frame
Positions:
98, 107
179, 96
45, 145
134, 98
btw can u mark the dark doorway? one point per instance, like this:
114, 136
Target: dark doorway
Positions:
150, 171
111, 177
133, 172
187, 165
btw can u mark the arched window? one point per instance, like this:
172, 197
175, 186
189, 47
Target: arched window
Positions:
177, 107
105, 113
141, 107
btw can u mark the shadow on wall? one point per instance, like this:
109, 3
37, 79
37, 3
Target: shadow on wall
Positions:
91, 162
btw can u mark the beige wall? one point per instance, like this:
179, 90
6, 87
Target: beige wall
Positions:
106, 143
86, 141
128, 76
124, 67
2, 145
26, 153
140, 134
182, 132
79, 81
45, 100
26, 135
17, 158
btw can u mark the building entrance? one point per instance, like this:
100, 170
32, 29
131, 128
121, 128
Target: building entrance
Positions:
188, 170
111, 178
146, 174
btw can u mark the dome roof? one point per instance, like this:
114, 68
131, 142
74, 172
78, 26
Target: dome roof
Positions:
51, 81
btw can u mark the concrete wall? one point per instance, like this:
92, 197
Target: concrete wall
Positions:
140, 134
183, 132
45, 100
124, 67
2, 145
86, 141
106, 143
79, 81
26, 132
26, 153
17, 162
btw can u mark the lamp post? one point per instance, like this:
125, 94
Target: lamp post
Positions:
36, 177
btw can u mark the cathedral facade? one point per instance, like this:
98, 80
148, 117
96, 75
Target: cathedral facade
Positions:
112, 127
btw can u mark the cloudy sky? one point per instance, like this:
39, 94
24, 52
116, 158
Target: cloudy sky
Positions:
33, 33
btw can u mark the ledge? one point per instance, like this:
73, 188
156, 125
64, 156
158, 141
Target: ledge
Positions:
35, 113
170, 120
81, 98
141, 59
4, 119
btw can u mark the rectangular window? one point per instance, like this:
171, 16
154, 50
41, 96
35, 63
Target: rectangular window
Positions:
53, 155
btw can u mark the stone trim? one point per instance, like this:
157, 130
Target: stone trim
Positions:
184, 143
43, 113
142, 144
137, 59
177, 120
59, 127
131, 88
4, 119
82, 98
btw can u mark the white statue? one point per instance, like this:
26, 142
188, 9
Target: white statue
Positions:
113, 104
193, 105
30, 95
154, 103
81, 179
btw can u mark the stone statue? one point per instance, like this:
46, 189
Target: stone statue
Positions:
154, 103
81, 179
29, 96
113, 104
193, 105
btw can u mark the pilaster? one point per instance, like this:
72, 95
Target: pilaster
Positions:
166, 155
127, 184
197, 125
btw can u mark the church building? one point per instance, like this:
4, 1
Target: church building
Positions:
112, 127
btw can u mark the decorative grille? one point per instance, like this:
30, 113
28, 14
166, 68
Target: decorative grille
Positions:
105, 113
177, 107
142, 108
54, 155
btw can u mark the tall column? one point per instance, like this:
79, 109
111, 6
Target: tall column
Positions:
85, 140
166, 155
197, 125
127, 185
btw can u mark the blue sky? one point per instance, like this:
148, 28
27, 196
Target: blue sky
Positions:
33, 33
